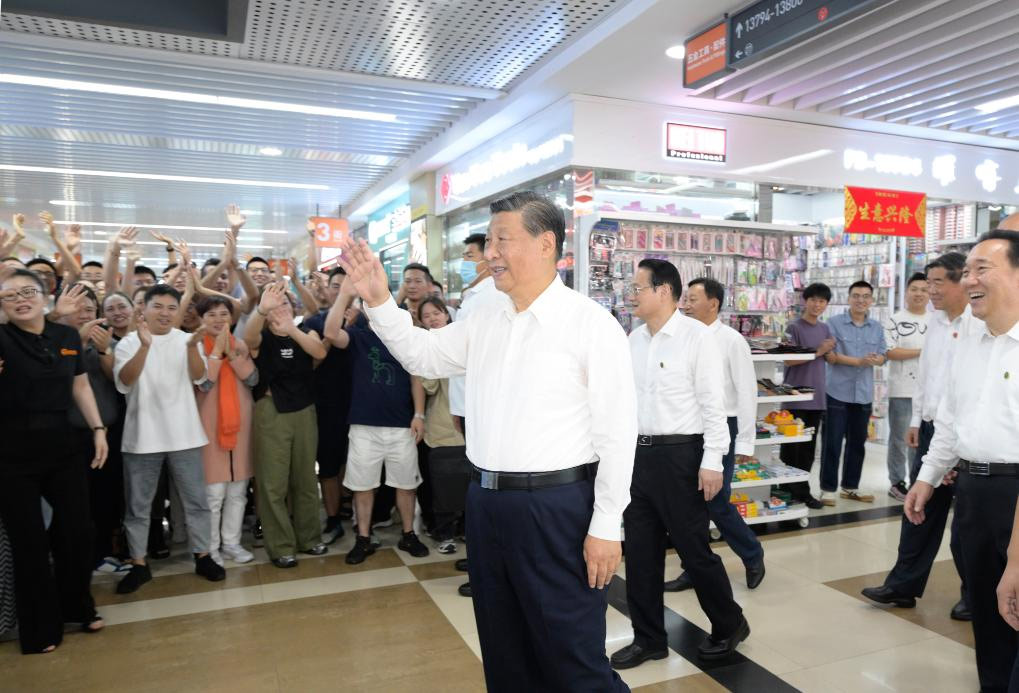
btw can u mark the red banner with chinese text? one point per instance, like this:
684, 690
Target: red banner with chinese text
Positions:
886, 212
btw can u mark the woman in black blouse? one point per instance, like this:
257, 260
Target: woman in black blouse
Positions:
43, 377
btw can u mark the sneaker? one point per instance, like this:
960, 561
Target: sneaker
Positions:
111, 566
333, 530
316, 550
209, 569
135, 578
461, 565
361, 550
285, 562
853, 494
446, 547
216, 557
899, 491
812, 503
376, 542
828, 498
256, 534
410, 543
237, 553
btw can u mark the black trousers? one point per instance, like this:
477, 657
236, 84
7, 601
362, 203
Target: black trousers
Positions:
919, 544
105, 488
48, 597
985, 507
541, 627
801, 455
450, 474
664, 500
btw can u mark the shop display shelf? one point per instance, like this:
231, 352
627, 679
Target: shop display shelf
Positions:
773, 399
784, 479
782, 440
798, 513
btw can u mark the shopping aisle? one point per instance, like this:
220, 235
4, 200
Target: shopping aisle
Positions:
395, 623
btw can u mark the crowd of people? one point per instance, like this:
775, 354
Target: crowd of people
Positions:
230, 391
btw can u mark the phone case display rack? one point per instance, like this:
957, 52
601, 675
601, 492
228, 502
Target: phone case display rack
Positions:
838, 260
761, 265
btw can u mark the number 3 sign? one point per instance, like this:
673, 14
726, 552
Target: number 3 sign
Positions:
329, 232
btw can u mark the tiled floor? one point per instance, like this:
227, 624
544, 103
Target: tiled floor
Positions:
396, 623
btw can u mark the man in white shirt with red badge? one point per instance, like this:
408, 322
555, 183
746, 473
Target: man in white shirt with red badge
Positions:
677, 471
976, 425
551, 413
704, 298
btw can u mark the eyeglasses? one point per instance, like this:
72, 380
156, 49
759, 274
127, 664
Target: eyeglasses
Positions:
28, 292
635, 290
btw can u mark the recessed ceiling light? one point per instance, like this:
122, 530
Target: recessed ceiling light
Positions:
101, 224
69, 203
998, 104
194, 97
159, 176
676, 52
270, 151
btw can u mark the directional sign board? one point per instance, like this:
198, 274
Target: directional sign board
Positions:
768, 25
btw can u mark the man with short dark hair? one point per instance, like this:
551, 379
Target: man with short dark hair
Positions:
143, 277
905, 335
92, 272
549, 393
704, 299
859, 348
951, 322
155, 368
808, 331
45, 269
678, 470
416, 287
975, 428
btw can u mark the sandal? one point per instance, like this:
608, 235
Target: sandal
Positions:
89, 625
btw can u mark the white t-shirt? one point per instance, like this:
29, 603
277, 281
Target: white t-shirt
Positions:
905, 330
162, 415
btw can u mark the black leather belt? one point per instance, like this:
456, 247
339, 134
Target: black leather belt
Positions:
529, 481
677, 439
989, 468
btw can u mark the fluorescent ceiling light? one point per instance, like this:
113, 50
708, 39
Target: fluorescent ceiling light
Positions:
676, 52
788, 161
69, 203
999, 104
165, 226
191, 245
270, 151
194, 97
159, 176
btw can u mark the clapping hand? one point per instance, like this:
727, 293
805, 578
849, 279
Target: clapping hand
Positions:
221, 347
47, 219
144, 334
185, 252
197, 336
274, 296
235, 219
85, 331
18, 222
365, 272
101, 337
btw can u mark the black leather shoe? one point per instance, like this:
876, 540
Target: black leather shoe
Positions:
720, 649
465, 590
961, 612
683, 582
285, 562
461, 565
886, 595
634, 655
755, 574
317, 550
813, 503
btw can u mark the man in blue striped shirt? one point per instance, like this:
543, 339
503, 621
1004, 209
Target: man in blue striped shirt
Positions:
859, 347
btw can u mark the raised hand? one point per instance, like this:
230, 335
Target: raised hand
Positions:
229, 249
126, 237
280, 321
274, 296
162, 238
101, 337
197, 336
185, 252
70, 300
18, 221
144, 335
235, 219
222, 344
72, 237
47, 219
365, 272
85, 331
310, 228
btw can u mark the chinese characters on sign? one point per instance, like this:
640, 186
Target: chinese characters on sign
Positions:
704, 58
694, 142
329, 232
885, 212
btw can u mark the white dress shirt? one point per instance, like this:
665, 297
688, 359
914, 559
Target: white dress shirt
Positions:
976, 419
679, 384
740, 383
470, 300
943, 335
547, 389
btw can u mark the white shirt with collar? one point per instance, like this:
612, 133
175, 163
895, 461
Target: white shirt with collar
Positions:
678, 373
943, 335
547, 389
976, 419
740, 383
470, 300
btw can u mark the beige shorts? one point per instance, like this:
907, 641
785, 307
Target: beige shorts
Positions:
371, 447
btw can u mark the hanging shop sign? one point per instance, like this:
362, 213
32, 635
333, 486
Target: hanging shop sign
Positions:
885, 212
330, 232
389, 226
769, 25
694, 142
704, 57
